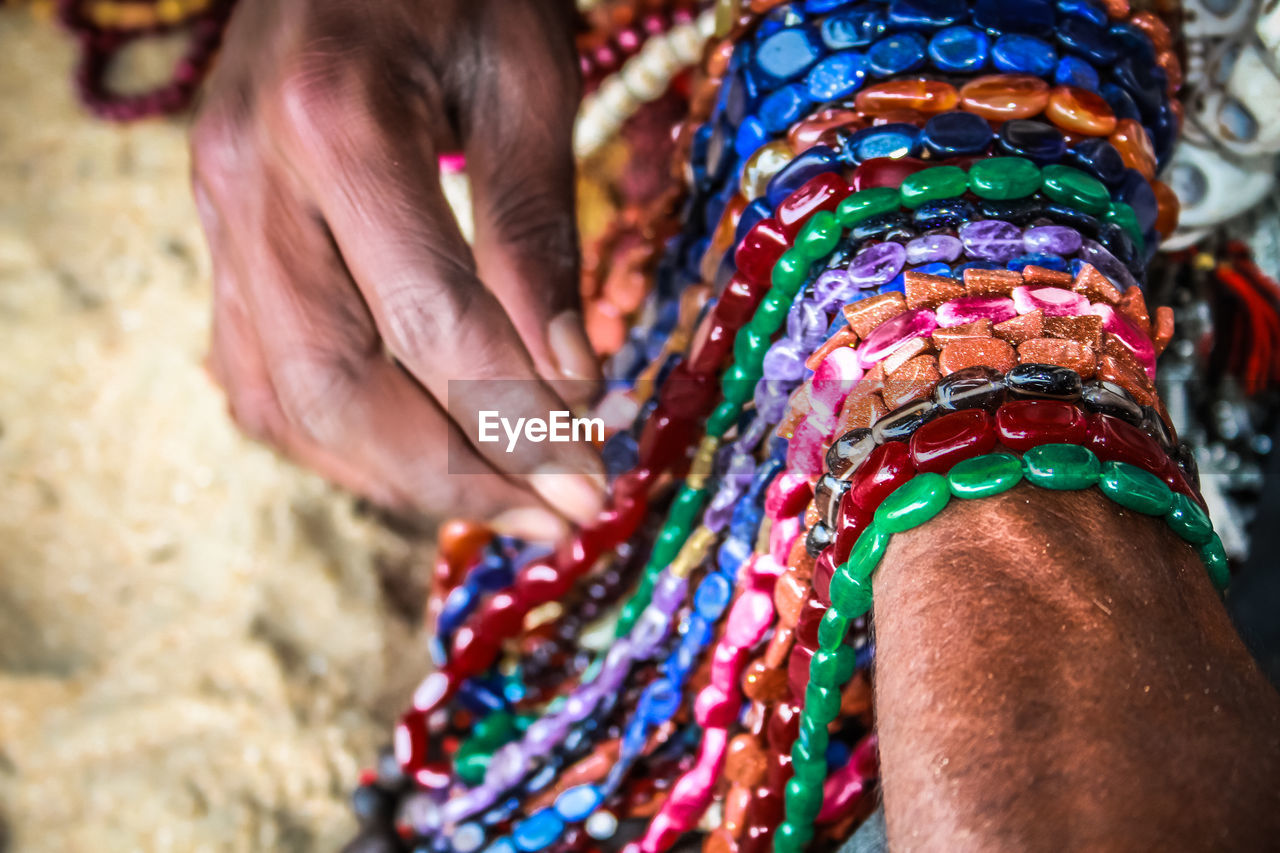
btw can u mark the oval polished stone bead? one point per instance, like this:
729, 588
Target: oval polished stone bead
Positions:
787, 53
1043, 381
1061, 467
1056, 239
832, 630
1073, 187
1215, 562
1113, 440
991, 240
877, 265
886, 172
819, 236
851, 524
888, 467
983, 476
1188, 520
866, 554
976, 387
1107, 398
1080, 111
837, 76
857, 27
783, 106
1016, 53
901, 424
956, 134
761, 166
850, 597
1035, 140
821, 192
937, 446
939, 182
832, 666
1074, 71
1135, 489
1086, 39
819, 537
1099, 158
896, 54
1022, 424
864, 204
807, 133
760, 249
816, 161
927, 96
934, 248
913, 503
943, 213
1003, 97
1003, 178
959, 49
849, 451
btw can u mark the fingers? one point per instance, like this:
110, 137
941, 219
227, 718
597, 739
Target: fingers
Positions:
381, 198
521, 168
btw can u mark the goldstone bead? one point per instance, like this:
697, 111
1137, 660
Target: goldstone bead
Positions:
913, 503
864, 204
1002, 178
832, 629
850, 596
938, 182
983, 476
1135, 489
867, 552
1215, 560
1061, 467
1188, 520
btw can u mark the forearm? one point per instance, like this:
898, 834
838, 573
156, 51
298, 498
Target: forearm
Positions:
1072, 683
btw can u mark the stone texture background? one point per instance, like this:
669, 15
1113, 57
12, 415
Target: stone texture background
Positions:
194, 636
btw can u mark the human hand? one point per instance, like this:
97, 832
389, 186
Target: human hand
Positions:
315, 173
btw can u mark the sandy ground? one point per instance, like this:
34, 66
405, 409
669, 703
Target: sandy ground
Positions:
194, 636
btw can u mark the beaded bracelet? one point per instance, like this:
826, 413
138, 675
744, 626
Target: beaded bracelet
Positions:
1054, 466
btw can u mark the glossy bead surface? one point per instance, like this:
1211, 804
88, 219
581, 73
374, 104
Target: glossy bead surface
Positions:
991, 239
787, 53
913, 503
1075, 188
1188, 520
983, 476
896, 54
1215, 562
902, 423
888, 467
938, 182
956, 134
1061, 467
760, 249
1037, 141
821, 192
1003, 97
1023, 424
850, 597
1003, 178
929, 96
1043, 381
1080, 111
1016, 53
977, 387
959, 49
1135, 489
938, 445
864, 204
837, 76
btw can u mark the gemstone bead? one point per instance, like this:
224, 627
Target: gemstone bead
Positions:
1043, 381
960, 49
937, 446
1086, 39
888, 467
1003, 97
896, 54
1035, 140
1080, 111
761, 166
538, 831
924, 95
783, 106
1051, 301
866, 554
891, 334
1099, 158
1215, 561
1061, 467
991, 239
886, 172
821, 192
1022, 424
877, 265
984, 476
1073, 71
913, 503
901, 423
1112, 439
1002, 178
819, 236
1188, 520
887, 140
1023, 16
967, 309
956, 134
857, 27
938, 182
933, 248
787, 53
1075, 188
1135, 489
850, 597
849, 451
925, 14
1016, 53
760, 249
943, 213
864, 204
977, 387
837, 76
1058, 239
832, 630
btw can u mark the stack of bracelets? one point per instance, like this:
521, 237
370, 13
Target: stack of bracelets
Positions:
908, 269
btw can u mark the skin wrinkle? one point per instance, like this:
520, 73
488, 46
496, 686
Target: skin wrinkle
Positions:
1014, 714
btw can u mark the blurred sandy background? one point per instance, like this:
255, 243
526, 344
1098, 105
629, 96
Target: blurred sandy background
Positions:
194, 636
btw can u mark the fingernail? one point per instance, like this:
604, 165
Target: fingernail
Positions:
572, 350
530, 523
579, 497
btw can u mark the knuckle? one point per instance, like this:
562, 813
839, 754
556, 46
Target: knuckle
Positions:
417, 324
315, 392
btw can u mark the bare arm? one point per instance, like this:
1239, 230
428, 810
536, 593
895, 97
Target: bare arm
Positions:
1076, 686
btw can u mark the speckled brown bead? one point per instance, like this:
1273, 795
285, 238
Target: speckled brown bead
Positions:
1064, 353
1163, 332
909, 350
915, 380
930, 291
861, 412
1034, 276
845, 337
745, 764
864, 316
1134, 380
991, 282
1095, 286
1020, 329
976, 329
993, 353
1085, 329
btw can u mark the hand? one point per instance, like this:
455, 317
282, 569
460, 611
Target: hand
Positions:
345, 297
